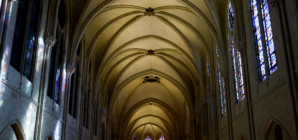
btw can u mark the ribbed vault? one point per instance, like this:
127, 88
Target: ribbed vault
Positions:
149, 69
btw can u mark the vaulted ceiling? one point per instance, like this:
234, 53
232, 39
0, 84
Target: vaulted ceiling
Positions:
171, 46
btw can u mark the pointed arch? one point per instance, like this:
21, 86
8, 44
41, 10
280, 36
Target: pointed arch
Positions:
17, 130
50, 137
276, 131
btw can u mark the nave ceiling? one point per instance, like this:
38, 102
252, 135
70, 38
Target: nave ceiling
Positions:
127, 46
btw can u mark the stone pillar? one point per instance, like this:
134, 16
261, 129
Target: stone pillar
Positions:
289, 59
49, 42
192, 130
215, 115
84, 90
225, 76
69, 71
241, 46
4, 49
109, 128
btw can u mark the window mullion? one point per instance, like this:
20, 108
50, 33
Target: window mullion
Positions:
263, 38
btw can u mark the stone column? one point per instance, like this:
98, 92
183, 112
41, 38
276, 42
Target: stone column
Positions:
225, 76
109, 128
49, 42
241, 46
84, 90
289, 60
215, 115
4, 49
69, 71
192, 130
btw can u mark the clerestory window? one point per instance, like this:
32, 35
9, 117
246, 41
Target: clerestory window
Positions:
263, 37
25, 37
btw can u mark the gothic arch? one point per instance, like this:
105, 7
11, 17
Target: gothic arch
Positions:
17, 129
275, 130
242, 137
50, 137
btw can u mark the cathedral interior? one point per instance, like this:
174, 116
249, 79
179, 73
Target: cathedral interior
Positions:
148, 70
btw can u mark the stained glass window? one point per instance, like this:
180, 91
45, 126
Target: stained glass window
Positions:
134, 138
231, 16
208, 68
217, 53
220, 92
25, 42
237, 73
240, 76
259, 41
58, 72
55, 72
52, 72
268, 36
224, 98
147, 138
162, 138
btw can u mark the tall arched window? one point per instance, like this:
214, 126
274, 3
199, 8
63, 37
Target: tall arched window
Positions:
162, 138
222, 94
147, 138
237, 73
231, 16
25, 37
56, 66
74, 90
263, 38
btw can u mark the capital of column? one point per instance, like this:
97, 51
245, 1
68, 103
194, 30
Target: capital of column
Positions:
241, 46
49, 41
70, 70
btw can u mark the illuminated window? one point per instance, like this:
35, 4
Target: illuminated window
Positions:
231, 16
222, 94
237, 73
217, 52
134, 138
56, 66
147, 138
25, 37
55, 73
161, 138
263, 38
